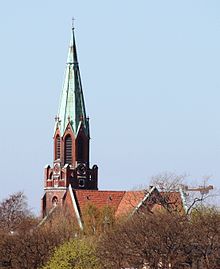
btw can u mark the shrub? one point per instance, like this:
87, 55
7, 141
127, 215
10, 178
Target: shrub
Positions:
75, 254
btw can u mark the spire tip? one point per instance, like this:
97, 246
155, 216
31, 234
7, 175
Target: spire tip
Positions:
73, 20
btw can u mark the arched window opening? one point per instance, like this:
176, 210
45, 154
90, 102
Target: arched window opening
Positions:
54, 201
51, 175
81, 183
80, 150
57, 148
68, 150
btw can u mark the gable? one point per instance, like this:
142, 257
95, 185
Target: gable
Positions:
129, 202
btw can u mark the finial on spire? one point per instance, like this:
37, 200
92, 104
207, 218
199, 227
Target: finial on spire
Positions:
73, 19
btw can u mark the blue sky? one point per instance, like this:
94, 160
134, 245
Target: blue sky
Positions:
150, 72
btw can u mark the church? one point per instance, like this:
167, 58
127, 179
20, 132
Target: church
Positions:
71, 181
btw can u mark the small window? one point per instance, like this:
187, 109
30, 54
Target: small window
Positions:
54, 201
81, 183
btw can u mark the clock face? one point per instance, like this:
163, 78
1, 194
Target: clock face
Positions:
81, 169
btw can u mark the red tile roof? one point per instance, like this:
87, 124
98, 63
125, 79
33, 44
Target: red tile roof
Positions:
98, 198
124, 202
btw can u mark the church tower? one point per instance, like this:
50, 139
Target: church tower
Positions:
71, 166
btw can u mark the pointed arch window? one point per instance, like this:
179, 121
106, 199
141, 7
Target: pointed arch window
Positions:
57, 147
68, 150
80, 150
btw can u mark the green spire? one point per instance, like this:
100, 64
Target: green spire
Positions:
72, 106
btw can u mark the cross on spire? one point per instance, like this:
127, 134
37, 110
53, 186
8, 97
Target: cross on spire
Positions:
73, 20
57, 119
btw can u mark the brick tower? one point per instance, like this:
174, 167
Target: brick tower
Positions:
71, 139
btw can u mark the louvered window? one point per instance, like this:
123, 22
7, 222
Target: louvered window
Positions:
68, 150
57, 147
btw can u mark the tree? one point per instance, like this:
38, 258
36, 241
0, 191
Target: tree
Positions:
15, 219
151, 239
204, 246
30, 244
14, 213
168, 183
97, 220
75, 254
164, 240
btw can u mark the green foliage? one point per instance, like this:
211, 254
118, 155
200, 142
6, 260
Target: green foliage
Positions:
91, 218
75, 254
97, 220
